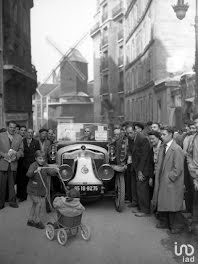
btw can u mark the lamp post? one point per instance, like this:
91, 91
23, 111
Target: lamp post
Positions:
180, 9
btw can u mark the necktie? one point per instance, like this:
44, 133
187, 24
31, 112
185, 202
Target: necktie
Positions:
163, 158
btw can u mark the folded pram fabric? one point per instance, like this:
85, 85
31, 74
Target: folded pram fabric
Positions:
68, 208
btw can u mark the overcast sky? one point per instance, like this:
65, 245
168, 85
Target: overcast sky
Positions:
64, 22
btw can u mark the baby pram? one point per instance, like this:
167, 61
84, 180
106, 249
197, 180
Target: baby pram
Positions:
64, 226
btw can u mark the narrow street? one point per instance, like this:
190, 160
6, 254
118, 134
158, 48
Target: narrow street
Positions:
116, 238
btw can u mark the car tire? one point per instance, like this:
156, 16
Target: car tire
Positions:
119, 192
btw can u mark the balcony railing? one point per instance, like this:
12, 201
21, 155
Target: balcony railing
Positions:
120, 60
104, 17
118, 10
95, 28
104, 40
120, 34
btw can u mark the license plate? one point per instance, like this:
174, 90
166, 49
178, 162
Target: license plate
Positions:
88, 188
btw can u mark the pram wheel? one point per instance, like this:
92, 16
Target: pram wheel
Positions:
62, 236
85, 232
50, 231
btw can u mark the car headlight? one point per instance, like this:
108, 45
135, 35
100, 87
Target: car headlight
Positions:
105, 172
65, 172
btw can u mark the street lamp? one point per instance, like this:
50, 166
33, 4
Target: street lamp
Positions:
180, 10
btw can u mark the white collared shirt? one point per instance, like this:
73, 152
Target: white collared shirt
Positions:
168, 145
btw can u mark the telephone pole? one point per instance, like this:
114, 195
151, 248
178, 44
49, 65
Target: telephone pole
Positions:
1, 67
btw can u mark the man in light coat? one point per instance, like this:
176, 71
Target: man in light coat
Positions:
11, 149
169, 183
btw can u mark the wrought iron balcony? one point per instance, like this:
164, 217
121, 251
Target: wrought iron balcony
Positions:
104, 17
118, 10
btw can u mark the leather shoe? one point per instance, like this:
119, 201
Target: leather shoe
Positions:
39, 225
30, 223
141, 214
135, 210
162, 226
132, 205
13, 205
176, 230
22, 200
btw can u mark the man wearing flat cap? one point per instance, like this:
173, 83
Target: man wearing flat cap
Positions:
44, 142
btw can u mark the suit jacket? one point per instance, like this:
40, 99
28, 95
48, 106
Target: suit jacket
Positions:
140, 155
169, 180
29, 152
17, 145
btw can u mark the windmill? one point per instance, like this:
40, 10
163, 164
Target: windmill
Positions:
80, 75
66, 57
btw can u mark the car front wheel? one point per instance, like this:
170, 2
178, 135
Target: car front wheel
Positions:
119, 192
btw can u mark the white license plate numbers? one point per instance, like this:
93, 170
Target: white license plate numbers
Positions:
87, 188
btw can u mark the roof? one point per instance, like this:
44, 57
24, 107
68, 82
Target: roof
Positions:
46, 88
80, 94
77, 56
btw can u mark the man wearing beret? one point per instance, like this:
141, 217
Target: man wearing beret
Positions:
141, 165
44, 142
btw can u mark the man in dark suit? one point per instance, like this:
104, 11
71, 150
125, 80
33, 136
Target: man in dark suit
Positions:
11, 149
142, 167
31, 145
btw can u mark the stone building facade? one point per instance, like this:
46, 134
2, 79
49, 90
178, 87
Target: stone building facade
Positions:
159, 48
19, 75
107, 35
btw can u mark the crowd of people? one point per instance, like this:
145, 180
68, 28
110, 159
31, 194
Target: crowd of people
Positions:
19, 148
162, 171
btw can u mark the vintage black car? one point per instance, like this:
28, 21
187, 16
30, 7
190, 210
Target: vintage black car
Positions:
85, 159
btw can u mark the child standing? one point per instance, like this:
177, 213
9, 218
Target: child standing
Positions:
36, 189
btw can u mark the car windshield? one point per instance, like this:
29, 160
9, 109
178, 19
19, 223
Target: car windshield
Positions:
82, 132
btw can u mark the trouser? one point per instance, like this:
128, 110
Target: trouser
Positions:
195, 209
38, 208
22, 182
7, 177
172, 219
133, 186
143, 194
188, 181
128, 182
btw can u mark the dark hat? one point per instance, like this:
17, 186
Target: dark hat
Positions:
138, 124
43, 130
